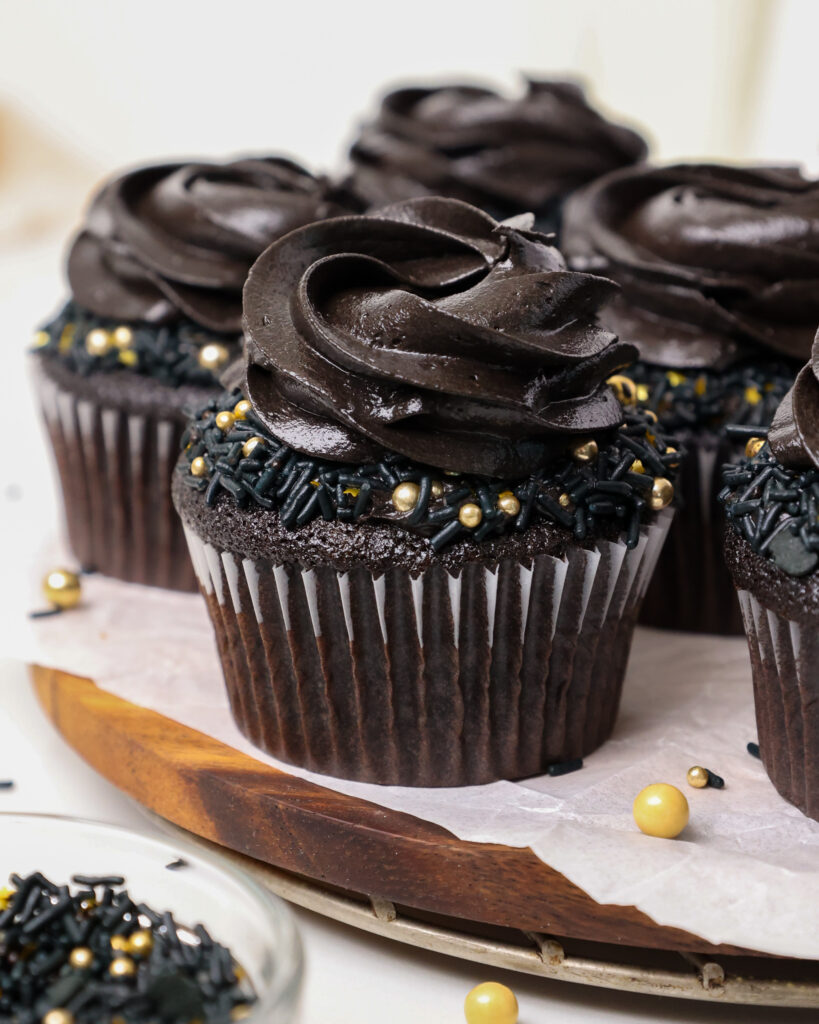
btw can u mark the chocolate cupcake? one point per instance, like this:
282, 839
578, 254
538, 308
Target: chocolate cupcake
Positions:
772, 550
719, 271
421, 541
156, 277
503, 154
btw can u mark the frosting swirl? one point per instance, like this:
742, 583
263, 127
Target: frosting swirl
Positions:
501, 154
429, 330
714, 262
794, 433
176, 241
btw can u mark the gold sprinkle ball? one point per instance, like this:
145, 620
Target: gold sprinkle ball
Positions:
58, 1016
470, 514
213, 356
250, 445
405, 496
98, 342
128, 357
140, 943
122, 336
564, 501
81, 957
661, 810
675, 379
354, 491
584, 451
508, 503
637, 467
67, 337
62, 588
670, 450
122, 967
753, 446
642, 393
753, 396
624, 387
437, 489
491, 1003
240, 1012
697, 777
241, 409
6, 896
40, 339
199, 467
662, 493
225, 421
119, 943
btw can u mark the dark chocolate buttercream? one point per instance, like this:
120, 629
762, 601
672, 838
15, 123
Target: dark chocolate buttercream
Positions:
176, 241
505, 155
715, 263
432, 331
794, 433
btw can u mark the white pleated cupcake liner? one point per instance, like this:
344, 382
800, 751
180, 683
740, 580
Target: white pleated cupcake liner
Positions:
692, 589
115, 471
785, 666
441, 679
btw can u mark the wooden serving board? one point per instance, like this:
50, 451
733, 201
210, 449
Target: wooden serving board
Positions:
339, 841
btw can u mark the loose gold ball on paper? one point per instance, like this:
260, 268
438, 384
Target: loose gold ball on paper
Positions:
405, 496
697, 777
662, 493
213, 356
491, 1003
62, 588
584, 451
661, 810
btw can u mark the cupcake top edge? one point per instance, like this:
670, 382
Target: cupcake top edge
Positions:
716, 262
502, 153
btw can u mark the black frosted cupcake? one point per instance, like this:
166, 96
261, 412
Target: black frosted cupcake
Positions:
422, 543
156, 278
503, 154
719, 271
772, 550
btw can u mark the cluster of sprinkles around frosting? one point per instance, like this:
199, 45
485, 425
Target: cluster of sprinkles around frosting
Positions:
174, 354
591, 490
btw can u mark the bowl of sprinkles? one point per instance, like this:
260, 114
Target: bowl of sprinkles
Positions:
101, 925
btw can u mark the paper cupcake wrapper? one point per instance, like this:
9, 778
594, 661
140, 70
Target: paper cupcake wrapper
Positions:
433, 680
785, 666
692, 589
115, 471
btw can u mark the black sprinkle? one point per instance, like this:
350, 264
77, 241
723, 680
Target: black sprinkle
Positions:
753, 750
46, 613
715, 781
175, 865
565, 767
7, 783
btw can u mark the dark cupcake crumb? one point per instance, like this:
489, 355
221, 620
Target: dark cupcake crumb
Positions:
704, 399
94, 956
775, 509
171, 354
591, 491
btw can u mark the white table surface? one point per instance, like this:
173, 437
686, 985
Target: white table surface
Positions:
352, 978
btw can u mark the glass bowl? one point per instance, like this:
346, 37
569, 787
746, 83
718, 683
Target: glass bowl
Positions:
256, 925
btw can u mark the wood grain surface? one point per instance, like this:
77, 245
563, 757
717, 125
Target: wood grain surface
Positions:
229, 798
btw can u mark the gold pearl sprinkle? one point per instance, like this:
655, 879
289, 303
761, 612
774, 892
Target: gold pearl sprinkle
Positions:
98, 342
225, 421
354, 491
6, 896
141, 943
754, 446
213, 356
437, 489
241, 409
199, 467
240, 1012
637, 467
564, 501
119, 943
624, 387
122, 336
470, 514
675, 379
67, 337
753, 396
642, 393
62, 588
508, 503
405, 496
662, 493
81, 958
122, 967
697, 777
128, 357
671, 450
700, 386
58, 1016
250, 445
584, 451
40, 339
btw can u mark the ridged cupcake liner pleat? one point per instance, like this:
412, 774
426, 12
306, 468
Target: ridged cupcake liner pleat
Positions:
115, 470
440, 679
785, 666
692, 589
